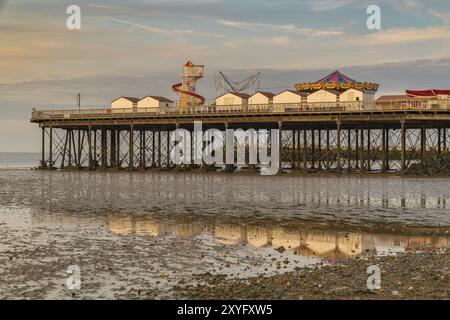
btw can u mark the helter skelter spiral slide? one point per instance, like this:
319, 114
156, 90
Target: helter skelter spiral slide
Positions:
188, 96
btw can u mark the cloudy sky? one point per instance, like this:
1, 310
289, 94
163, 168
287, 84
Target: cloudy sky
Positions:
136, 47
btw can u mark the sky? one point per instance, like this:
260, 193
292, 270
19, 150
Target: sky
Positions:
137, 47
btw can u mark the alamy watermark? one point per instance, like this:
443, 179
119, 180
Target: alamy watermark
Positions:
213, 147
73, 282
374, 20
374, 280
73, 22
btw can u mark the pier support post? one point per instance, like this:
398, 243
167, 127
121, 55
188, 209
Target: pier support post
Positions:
319, 149
95, 149
43, 163
293, 150
444, 139
423, 144
113, 149
338, 146
327, 163
280, 146
142, 150
63, 160
383, 150
118, 159
131, 148
168, 149
50, 149
362, 160
305, 149
103, 149
439, 141
403, 146
159, 149
90, 147
369, 151
313, 149
349, 149
153, 148
79, 149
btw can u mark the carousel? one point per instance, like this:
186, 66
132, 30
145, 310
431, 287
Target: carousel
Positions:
336, 81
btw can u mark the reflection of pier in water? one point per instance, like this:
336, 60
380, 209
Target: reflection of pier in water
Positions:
197, 189
301, 241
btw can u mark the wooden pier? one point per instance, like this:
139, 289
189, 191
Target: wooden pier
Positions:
329, 137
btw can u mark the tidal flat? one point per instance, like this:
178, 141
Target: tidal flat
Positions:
166, 235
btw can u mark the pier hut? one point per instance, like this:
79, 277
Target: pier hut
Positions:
124, 103
155, 102
231, 99
289, 97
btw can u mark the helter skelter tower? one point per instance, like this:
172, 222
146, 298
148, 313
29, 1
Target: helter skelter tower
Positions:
188, 96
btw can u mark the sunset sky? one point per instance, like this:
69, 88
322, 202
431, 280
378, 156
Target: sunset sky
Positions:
136, 47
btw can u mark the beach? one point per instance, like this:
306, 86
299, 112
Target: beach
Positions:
184, 235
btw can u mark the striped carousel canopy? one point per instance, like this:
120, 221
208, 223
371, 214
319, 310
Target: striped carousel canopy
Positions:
336, 81
336, 77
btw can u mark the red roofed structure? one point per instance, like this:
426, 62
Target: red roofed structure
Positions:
427, 93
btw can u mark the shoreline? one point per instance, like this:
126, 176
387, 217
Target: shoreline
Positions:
410, 276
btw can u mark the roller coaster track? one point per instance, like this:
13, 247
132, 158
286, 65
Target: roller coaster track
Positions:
176, 88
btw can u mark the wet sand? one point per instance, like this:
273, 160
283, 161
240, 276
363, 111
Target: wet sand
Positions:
154, 235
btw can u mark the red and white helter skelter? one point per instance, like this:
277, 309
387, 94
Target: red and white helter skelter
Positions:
187, 88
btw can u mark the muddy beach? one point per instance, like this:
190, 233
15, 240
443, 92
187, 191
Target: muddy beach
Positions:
186, 235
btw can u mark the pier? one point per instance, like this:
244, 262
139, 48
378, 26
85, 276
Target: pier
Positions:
333, 137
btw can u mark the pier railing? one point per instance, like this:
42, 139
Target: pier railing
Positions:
319, 107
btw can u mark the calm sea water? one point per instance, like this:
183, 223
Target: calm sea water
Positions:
19, 160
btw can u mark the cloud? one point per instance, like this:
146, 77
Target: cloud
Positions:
443, 15
406, 35
287, 28
327, 5
149, 28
